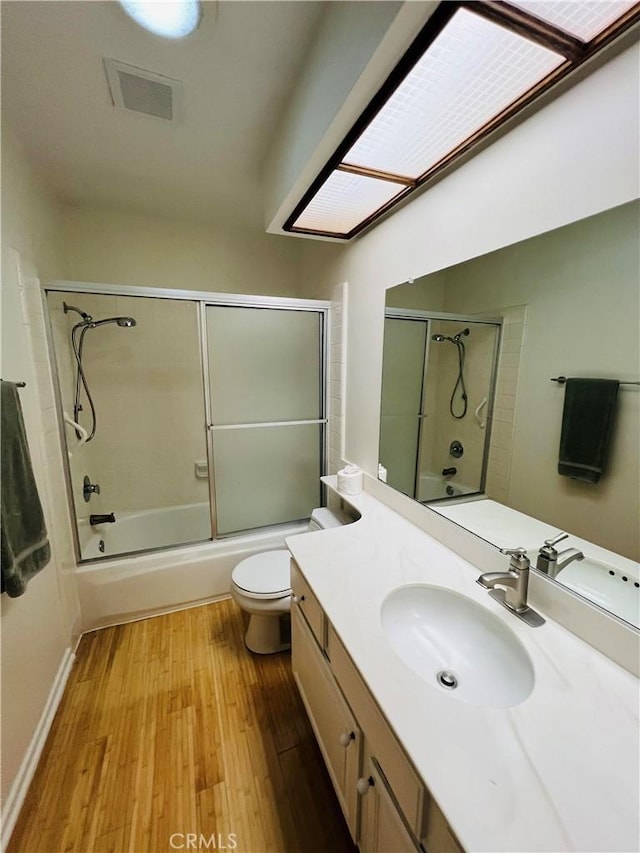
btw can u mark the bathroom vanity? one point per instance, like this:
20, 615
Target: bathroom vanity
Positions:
418, 765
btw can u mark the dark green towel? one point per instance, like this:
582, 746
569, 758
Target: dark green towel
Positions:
587, 421
25, 547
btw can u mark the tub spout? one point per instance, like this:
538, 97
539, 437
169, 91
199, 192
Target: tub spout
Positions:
106, 518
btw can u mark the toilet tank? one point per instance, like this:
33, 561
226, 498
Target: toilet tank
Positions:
323, 518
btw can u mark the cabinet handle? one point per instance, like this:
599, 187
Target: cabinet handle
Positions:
364, 785
298, 598
346, 738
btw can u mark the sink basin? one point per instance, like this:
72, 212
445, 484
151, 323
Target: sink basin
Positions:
457, 646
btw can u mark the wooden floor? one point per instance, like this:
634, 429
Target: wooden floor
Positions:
169, 726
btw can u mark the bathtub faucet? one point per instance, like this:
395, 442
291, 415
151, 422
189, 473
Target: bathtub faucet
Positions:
449, 472
106, 518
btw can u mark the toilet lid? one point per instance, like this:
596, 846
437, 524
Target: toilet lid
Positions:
266, 575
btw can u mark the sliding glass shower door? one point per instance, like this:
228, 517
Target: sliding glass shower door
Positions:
405, 343
266, 414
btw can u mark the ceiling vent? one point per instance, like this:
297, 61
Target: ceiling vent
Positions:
143, 91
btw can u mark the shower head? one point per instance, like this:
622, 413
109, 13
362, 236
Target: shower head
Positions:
126, 322
454, 340
86, 317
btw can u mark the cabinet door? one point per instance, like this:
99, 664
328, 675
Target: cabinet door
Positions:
438, 836
333, 723
382, 829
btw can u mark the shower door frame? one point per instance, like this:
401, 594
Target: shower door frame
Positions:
202, 299
421, 314
412, 315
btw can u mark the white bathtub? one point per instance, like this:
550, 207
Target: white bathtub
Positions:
122, 589
433, 487
145, 529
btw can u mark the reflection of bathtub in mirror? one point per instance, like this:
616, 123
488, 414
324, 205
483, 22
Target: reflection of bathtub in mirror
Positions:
435, 487
603, 577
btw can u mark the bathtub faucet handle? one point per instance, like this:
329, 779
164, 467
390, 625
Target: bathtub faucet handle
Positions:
89, 488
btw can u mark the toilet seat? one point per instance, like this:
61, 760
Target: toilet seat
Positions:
266, 575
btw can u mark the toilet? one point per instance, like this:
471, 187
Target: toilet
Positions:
261, 586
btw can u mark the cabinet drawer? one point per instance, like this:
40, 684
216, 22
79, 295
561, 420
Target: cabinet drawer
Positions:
308, 603
402, 778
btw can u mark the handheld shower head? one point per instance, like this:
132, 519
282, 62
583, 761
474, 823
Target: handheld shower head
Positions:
126, 322
462, 332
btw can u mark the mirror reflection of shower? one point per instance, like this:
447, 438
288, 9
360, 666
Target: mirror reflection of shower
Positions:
430, 443
78, 333
459, 386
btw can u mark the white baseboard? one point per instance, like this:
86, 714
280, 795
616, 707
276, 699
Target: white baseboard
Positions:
18, 792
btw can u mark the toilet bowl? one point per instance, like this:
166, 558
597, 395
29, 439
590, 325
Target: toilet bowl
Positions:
261, 586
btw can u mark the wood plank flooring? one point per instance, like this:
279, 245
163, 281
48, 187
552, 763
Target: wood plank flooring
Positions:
170, 726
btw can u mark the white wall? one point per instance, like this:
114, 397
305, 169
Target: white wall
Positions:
37, 628
118, 247
574, 158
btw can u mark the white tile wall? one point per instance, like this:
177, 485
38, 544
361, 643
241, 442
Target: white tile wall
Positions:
501, 445
45, 446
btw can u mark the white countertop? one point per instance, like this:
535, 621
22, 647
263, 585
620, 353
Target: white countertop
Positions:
560, 771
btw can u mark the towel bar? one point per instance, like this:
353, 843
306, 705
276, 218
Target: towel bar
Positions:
17, 384
562, 379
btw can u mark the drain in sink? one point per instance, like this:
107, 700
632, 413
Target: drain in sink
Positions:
447, 679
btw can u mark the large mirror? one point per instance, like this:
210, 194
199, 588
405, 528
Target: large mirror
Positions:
472, 414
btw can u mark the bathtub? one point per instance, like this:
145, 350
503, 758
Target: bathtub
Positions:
145, 529
432, 487
122, 589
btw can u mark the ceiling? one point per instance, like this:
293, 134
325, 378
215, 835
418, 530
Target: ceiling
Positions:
238, 71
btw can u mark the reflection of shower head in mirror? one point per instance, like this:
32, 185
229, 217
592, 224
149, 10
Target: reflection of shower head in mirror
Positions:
459, 386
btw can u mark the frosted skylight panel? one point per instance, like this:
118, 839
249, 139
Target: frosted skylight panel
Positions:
473, 70
344, 201
585, 20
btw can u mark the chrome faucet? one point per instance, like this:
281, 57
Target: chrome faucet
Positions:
510, 588
515, 581
549, 558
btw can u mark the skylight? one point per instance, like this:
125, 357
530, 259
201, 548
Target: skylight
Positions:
344, 201
586, 20
473, 66
472, 71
